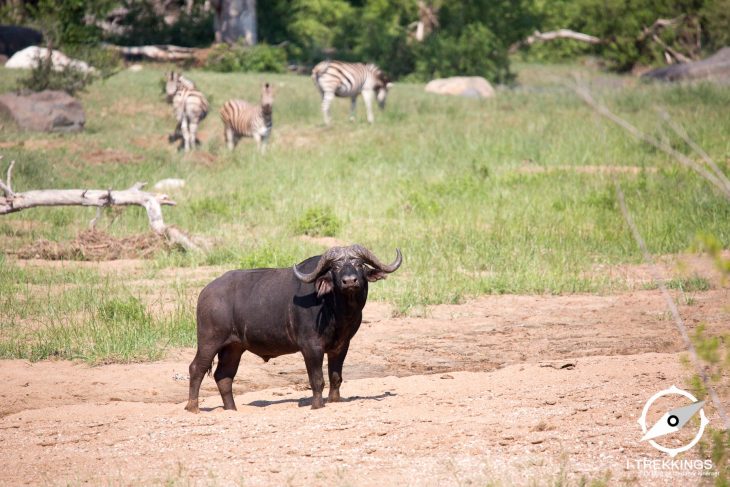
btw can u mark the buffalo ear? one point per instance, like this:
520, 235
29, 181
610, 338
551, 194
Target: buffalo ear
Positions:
373, 275
324, 285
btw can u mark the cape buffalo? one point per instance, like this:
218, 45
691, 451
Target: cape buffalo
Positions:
314, 308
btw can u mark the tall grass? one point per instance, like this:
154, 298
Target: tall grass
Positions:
481, 196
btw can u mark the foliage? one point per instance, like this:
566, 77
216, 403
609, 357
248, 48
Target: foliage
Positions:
144, 25
43, 77
317, 26
242, 58
318, 222
475, 52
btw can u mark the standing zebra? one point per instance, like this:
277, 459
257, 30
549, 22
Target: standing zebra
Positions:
190, 107
242, 119
335, 78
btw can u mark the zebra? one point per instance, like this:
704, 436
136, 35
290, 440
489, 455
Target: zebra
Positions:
336, 78
190, 107
242, 119
172, 80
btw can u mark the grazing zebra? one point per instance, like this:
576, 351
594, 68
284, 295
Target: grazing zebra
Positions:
172, 80
190, 107
335, 78
242, 119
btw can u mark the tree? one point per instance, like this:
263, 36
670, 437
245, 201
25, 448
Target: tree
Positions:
235, 19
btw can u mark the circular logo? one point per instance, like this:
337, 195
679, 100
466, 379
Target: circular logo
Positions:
673, 420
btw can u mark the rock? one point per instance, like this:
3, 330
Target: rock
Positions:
13, 38
169, 183
715, 68
46, 111
28, 58
468, 86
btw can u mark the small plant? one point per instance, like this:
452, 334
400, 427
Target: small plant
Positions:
43, 76
318, 222
260, 58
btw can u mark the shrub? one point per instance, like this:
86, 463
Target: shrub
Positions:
43, 77
260, 58
475, 52
318, 222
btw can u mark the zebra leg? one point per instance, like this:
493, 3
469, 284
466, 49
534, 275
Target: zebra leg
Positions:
326, 101
353, 102
185, 133
230, 138
367, 97
193, 128
257, 138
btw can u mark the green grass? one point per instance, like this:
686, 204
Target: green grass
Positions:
480, 196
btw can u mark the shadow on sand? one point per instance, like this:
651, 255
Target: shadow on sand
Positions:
307, 401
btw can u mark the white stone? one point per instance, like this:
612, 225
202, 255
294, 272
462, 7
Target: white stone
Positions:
468, 86
28, 59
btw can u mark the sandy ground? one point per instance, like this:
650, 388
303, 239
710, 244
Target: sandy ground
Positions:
512, 389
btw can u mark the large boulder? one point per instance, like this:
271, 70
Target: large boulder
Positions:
714, 68
28, 59
13, 38
468, 86
46, 111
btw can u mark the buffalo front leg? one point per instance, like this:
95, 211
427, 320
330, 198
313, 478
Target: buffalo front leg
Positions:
334, 366
228, 359
313, 361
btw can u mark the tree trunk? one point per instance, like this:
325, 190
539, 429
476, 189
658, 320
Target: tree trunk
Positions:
235, 19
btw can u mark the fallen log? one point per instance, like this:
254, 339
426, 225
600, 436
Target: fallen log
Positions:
538, 36
159, 53
12, 202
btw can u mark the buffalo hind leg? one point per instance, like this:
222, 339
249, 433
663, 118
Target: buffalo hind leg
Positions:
198, 367
334, 366
228, 359
313, 361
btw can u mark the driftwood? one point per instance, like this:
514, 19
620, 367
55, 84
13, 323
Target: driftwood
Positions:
538, 36
160, 53
11, 202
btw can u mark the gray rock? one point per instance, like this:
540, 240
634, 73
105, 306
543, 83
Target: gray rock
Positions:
715, 68
467, 86
46, 111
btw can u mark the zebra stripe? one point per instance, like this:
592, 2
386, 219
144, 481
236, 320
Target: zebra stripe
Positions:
336, 78
242, 119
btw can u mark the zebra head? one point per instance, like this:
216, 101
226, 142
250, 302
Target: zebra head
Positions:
382, 85
267, 95
172, 79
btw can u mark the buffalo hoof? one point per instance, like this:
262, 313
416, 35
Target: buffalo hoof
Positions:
318, 404
192, 407
334, 398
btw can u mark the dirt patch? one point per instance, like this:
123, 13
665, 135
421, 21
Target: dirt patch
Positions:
513, 389
95, 245
111, 156
674, 267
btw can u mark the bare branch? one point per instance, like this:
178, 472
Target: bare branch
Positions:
9, 178
99, 198
679, 130
538, 36
583, 93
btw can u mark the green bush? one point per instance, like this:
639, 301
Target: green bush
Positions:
260, 58
43, 77
318, 222
475, 52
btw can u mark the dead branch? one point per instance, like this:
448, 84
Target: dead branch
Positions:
538, 36
160, 53
585, 95
679, 130
12, 202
